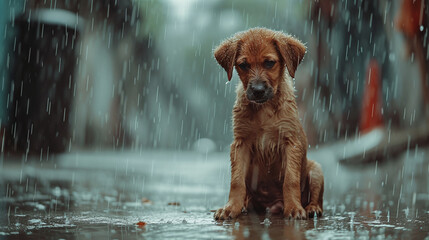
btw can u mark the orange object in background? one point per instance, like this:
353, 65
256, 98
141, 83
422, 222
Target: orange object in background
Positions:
410, 17
371, 116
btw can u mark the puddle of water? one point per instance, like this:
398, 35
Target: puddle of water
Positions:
174, 196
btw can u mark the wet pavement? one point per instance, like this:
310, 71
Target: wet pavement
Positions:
103, 195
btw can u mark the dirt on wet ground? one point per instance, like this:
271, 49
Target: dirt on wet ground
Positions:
171, 195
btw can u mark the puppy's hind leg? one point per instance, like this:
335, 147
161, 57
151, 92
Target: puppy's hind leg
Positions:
315, 189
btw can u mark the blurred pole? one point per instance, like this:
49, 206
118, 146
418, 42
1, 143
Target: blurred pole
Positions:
43, 61
323, 17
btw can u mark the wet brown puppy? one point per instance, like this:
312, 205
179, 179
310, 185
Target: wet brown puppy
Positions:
269, 165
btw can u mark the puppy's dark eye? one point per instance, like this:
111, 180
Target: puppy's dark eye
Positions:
269, 64
244, 66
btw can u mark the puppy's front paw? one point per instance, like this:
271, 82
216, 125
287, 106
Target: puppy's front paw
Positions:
313, 209
230, 211
294, 211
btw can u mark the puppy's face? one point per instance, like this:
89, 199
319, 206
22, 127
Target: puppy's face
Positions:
260, 56
260, 68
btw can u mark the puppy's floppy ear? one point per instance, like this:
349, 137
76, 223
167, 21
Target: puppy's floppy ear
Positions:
225, 55
292, 51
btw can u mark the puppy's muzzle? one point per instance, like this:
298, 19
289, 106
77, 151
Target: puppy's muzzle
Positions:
258, 91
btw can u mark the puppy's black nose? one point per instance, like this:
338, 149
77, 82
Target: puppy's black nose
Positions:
258, 89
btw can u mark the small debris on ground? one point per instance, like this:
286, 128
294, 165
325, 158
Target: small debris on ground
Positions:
141, 224
173, 204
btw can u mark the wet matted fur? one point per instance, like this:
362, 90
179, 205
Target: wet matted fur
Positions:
269, 165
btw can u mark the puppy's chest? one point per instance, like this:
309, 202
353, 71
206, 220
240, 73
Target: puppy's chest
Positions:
265, 131
265, 136
267, 140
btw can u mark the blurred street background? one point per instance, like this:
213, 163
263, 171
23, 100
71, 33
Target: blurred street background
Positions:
88, 87
141, 74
